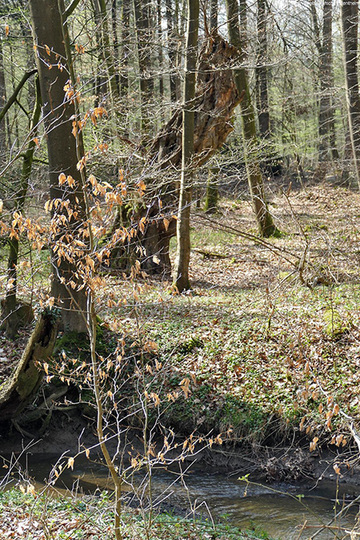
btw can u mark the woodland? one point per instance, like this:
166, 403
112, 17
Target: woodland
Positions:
179, 253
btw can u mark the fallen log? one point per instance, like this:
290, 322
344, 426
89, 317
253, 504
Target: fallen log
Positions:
19, 389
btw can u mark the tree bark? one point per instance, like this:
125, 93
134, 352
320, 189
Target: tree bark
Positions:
262, 72
125, 50
17, 392
143, 32
263, 217
160, 53
12, 312
350, 24
181, 271
171, 40
327, 135
59, 113
2, 104
213, 15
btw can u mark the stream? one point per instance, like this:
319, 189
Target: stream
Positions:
281, 509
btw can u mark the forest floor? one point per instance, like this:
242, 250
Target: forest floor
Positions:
265, 349
269, 336
270, 330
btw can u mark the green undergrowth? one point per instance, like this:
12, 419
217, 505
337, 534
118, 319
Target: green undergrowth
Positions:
33, 515
260, 366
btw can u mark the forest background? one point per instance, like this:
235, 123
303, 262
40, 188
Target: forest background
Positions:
228, 131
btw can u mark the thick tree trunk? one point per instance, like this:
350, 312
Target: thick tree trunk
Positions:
263, 217
181, 270
17, 392
59, 113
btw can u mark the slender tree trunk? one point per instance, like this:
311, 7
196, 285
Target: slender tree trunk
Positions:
263, 217
171, 35
125, 52
2, 104
59, 113
327, 134
243, 12
262, 72
144, 31
212, 192
350, 24
213, 15
108, 54
100, 83
160, 55
181, 278
114, 25
11, 311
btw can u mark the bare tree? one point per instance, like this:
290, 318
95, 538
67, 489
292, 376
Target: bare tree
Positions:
59, 114
181, 271
350, 26
264, 219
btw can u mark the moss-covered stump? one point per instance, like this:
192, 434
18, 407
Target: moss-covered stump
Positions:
19, 389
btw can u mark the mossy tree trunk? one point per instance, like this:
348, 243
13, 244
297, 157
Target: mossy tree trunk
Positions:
11, 310
18, 391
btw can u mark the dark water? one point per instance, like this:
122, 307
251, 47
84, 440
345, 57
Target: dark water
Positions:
280, 509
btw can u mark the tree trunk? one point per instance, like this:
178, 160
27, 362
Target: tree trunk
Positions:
108, 54
12, 312
171, 40
262, 72
2, 104
18, 391
181, 271
125, 51
212, 192
160, 54
350, 23
327, 137
213, 15
114, 26
59, 113
263, 217
143, 32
